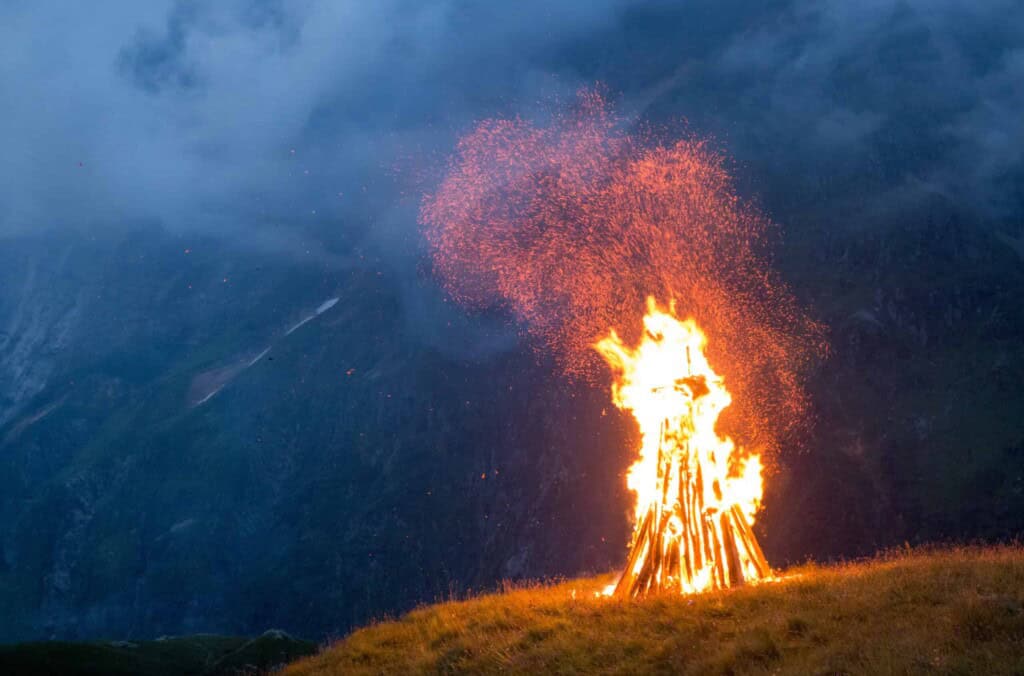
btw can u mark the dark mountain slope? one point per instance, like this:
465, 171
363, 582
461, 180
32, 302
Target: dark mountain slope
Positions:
242, 467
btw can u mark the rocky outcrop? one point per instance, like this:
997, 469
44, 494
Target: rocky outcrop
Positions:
40, 323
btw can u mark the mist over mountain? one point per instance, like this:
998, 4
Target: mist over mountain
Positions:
232, 395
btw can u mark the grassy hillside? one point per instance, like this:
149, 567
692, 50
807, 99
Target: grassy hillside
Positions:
955, 611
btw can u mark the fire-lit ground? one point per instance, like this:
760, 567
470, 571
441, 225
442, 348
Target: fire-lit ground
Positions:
942, 611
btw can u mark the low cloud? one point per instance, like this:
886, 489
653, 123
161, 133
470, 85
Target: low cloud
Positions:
223, 116
236, 116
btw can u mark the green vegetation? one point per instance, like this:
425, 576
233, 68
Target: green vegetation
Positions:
201, 655
953, 611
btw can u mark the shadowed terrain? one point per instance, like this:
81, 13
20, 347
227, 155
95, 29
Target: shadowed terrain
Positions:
200, 655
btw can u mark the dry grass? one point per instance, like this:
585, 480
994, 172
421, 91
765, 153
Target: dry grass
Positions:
950, 611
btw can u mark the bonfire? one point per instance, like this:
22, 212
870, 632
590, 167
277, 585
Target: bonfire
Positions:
695, 500
572, 225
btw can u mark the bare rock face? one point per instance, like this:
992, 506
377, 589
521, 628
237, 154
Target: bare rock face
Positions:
37, 324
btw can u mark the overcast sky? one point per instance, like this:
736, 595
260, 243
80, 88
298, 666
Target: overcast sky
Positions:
236, 115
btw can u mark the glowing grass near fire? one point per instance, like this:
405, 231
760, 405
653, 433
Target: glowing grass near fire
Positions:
948, 611
695, 497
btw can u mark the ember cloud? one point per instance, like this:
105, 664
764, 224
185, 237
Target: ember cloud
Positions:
574, 224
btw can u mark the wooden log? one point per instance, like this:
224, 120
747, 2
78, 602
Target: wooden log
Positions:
718, 548
693, 547
718, 572
734, 572
672, 568
627, 578
654, 557
750, 541
643, 578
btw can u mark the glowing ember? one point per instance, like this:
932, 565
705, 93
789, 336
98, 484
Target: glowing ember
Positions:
695, 498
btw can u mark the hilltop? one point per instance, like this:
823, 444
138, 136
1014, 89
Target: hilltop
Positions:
951, 611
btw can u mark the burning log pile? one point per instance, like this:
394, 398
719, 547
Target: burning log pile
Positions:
682, 543
693, 512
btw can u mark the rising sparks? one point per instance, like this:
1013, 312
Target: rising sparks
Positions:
573, 225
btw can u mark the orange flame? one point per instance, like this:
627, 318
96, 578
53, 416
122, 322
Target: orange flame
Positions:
676, 397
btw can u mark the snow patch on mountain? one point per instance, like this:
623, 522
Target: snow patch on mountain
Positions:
208, 384
33, 338
322, 308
